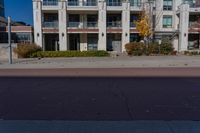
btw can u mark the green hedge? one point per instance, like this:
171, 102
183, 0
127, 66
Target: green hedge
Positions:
43, 54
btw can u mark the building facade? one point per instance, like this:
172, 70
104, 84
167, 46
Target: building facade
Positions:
109, 24
2, 8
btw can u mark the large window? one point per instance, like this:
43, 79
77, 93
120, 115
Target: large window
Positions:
167, 5
167, 21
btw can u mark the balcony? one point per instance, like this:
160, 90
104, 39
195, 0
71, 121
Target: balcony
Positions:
85, 25
50, 24
82, 5
74, 24
91, 24
135, 4
116, 24
73, 3
50, 3
117, 3
90, 3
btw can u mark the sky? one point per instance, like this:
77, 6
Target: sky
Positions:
19, 10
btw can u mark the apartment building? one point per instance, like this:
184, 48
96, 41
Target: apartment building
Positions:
109, 24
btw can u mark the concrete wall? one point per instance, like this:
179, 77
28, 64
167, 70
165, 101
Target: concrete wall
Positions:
4, 53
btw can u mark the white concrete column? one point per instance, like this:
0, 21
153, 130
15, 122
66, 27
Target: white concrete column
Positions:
102, 25
183, 29
83, 42
62, 26
125, 24
37, 20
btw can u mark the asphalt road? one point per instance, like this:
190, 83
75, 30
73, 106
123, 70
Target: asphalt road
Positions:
99, 98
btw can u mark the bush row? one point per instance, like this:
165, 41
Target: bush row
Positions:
43, 54
25, 50
190, 53
139, 48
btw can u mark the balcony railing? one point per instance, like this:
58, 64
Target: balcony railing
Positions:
194, 25
50, 3
132, 24
114, 3
73, 3
74, 24
90, 3
50, 24
92, 24
135, 4
82, 25
114, 24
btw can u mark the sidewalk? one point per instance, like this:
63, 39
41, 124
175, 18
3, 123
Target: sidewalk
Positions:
105, 62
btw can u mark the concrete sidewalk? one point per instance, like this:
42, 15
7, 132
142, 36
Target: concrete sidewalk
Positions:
105, 62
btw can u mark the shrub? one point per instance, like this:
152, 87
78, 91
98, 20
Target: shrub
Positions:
43, 54
135, 48
25, 50
153, 48
166, 47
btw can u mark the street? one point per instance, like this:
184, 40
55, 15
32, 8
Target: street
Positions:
99, 98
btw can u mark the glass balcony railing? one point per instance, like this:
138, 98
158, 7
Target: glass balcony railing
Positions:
73, 3
135, 4
50, 24
92, 24
114, 24
114, 3
90, 3
82, 25
74, 24
50, 3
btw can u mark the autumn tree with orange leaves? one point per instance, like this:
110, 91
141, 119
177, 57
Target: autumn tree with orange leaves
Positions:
143, 26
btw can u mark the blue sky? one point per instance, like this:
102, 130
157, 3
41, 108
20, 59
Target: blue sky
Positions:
19, 10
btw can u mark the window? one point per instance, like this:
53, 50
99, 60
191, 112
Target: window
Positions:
167, 21
92, 42
167, 5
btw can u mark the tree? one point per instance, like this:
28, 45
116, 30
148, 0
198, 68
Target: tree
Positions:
143, 25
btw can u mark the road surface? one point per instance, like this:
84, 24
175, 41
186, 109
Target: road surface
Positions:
99, 98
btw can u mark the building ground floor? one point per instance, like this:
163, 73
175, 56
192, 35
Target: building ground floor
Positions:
91, 41
86, 41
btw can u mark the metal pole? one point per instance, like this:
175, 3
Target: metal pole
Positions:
9, 40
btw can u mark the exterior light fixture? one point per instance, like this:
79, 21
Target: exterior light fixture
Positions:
102, 34
126, 34
38, 34
63, 34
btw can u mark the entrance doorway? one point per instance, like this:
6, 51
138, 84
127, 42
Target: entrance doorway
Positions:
74, 42
51, 42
